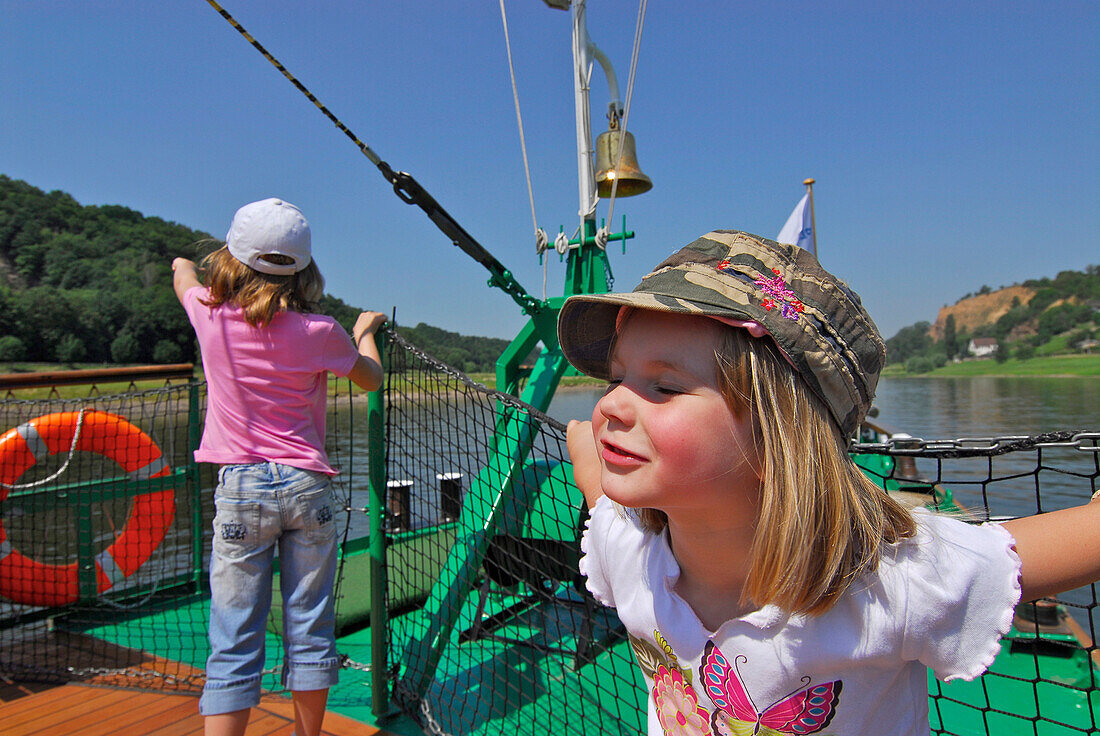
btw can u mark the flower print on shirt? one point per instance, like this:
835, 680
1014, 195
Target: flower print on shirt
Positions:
677, 703
682, 712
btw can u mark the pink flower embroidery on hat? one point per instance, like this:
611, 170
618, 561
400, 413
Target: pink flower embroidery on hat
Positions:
778, 294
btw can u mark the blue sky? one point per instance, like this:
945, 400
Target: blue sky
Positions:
954, 145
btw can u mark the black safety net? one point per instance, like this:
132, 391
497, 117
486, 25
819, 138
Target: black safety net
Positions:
102, 538
105, 533
487, 625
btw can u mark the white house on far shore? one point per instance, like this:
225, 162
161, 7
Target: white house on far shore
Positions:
982, 347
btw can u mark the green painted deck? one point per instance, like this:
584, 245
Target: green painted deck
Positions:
529, 694
489, 686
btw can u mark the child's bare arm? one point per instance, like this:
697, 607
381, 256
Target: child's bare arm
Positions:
586, 460
367, 371
1058, 551
185, 274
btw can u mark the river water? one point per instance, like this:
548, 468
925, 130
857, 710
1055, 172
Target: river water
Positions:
1014, 484
974, 408
939, 408
943, 409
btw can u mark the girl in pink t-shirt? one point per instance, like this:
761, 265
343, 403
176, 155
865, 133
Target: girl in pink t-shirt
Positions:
266, 357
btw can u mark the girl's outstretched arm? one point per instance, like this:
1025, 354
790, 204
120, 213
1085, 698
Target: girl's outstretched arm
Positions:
367, 371
1058, 551
586, 460
185, 274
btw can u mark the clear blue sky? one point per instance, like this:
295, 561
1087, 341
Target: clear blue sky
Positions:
955, 145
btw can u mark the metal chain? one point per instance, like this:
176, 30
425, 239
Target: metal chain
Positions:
128, 672
149, 675
1083, 441
458, 375
348, 663
432, 724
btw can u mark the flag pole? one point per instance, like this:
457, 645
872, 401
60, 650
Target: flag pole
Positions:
813, 224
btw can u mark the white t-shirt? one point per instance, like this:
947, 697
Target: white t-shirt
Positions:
941, 599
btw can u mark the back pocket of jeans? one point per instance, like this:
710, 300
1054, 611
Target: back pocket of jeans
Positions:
318, 509
236, 526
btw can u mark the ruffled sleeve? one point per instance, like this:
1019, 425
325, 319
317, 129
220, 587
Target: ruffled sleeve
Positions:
961, 592
602, 517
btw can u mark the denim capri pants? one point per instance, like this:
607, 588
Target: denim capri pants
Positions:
258, 507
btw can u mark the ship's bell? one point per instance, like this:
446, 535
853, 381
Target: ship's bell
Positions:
631, 179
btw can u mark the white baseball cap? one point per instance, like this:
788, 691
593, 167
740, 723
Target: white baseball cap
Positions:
270, 227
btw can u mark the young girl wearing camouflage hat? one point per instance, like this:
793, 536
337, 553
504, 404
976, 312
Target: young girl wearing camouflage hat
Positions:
766, 584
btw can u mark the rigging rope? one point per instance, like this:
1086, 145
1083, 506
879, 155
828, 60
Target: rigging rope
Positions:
64, 466
374, 157
626, 108
541, 238
409, 190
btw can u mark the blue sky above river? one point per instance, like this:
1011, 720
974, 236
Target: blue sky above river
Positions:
954, 145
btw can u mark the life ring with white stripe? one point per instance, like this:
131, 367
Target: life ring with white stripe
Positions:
25, 580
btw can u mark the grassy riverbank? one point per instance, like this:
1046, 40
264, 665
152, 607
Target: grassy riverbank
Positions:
110, 387
1078, 366
1049, 366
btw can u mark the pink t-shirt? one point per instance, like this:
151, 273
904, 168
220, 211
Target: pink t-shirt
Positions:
266, 386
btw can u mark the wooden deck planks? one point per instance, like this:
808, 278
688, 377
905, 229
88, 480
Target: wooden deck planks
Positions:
88, 710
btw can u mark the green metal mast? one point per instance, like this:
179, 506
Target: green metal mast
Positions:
501, 484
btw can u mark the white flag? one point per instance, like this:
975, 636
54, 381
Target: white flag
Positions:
799, 230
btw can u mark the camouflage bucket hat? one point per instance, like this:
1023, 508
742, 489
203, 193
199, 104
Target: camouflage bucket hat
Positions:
814, 318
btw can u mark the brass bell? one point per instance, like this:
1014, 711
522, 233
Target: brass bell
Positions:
631, 179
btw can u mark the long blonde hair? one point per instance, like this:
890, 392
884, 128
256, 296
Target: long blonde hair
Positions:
261, 295
822, 523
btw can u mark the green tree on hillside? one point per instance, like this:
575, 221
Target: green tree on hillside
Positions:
909, 342
950, 337
1061, 313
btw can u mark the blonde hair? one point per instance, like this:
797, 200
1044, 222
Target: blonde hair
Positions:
822, 523
261, 295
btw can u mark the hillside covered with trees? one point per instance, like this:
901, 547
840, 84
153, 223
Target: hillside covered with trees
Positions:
93, 284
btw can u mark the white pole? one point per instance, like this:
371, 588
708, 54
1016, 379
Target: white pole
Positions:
582, 74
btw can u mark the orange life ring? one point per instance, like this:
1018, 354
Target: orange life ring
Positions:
33, 583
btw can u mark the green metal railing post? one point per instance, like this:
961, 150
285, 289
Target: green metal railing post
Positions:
376, 485
85, 537
194, 436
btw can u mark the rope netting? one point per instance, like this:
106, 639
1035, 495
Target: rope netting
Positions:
520, 645
1045, 678
99, 512
105, 533
490, 629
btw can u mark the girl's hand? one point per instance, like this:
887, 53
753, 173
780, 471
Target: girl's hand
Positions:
367, 323
185, 275
367, 372
586, 460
